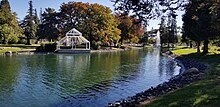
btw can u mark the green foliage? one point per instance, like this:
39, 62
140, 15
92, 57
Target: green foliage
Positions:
48, 28
164, 33
9, 28
198, 21
94, 21
215, 12
172, 27
148, 9
144, 38
168, 29
29, 24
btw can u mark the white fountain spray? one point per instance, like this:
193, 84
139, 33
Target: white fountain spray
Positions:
158, 44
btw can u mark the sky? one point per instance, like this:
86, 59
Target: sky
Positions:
21, 7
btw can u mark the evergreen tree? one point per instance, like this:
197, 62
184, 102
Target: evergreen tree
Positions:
37, 23
40, 16
198, 22
173, 29
29, 24
163, 31
36, 18
9, 26
48, 28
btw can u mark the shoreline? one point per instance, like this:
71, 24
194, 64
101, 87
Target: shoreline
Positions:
193, 71
10, 53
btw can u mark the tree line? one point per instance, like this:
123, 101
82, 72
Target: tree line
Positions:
200, 21
96, 22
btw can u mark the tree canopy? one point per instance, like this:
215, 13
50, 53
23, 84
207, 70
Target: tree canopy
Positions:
48, 28
10, 30
198, 22
95, 22
148, 9
131, 28
29, 24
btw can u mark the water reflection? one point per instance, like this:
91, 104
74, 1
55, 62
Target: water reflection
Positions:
81, 79
8, 78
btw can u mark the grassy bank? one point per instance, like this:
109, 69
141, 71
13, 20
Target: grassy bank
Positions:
17, 48
203, 93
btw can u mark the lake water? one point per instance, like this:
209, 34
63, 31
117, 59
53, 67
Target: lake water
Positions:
79, 80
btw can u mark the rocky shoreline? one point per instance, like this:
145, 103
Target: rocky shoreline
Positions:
193, 71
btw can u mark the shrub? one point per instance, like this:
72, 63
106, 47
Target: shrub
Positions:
47, 47
96, 45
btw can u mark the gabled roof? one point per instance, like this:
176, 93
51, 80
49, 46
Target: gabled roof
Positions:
73, 32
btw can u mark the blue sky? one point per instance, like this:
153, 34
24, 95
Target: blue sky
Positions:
21, 7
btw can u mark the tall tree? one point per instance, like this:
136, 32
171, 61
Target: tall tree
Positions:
29, 24
172, 28
36, 18
48, 28
37, 23
73, 14
164, 34
40, 15
191, 28
125, 26
131, 28
198, 17
9, 26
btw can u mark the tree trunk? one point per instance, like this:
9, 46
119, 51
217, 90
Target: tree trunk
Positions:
198, 46
190, 44
205, 49
28, 41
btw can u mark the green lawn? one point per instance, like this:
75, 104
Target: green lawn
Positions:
184, 51
204, 93
14, 49
17, 47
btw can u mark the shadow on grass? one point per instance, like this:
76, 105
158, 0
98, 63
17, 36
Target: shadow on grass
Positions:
203, 93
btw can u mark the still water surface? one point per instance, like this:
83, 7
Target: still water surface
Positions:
86, 80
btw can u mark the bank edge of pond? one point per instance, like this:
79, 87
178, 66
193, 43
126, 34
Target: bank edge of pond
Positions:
194, 71
10, 53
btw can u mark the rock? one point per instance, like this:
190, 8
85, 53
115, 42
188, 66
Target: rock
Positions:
9, 53
186, 77
191, 71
